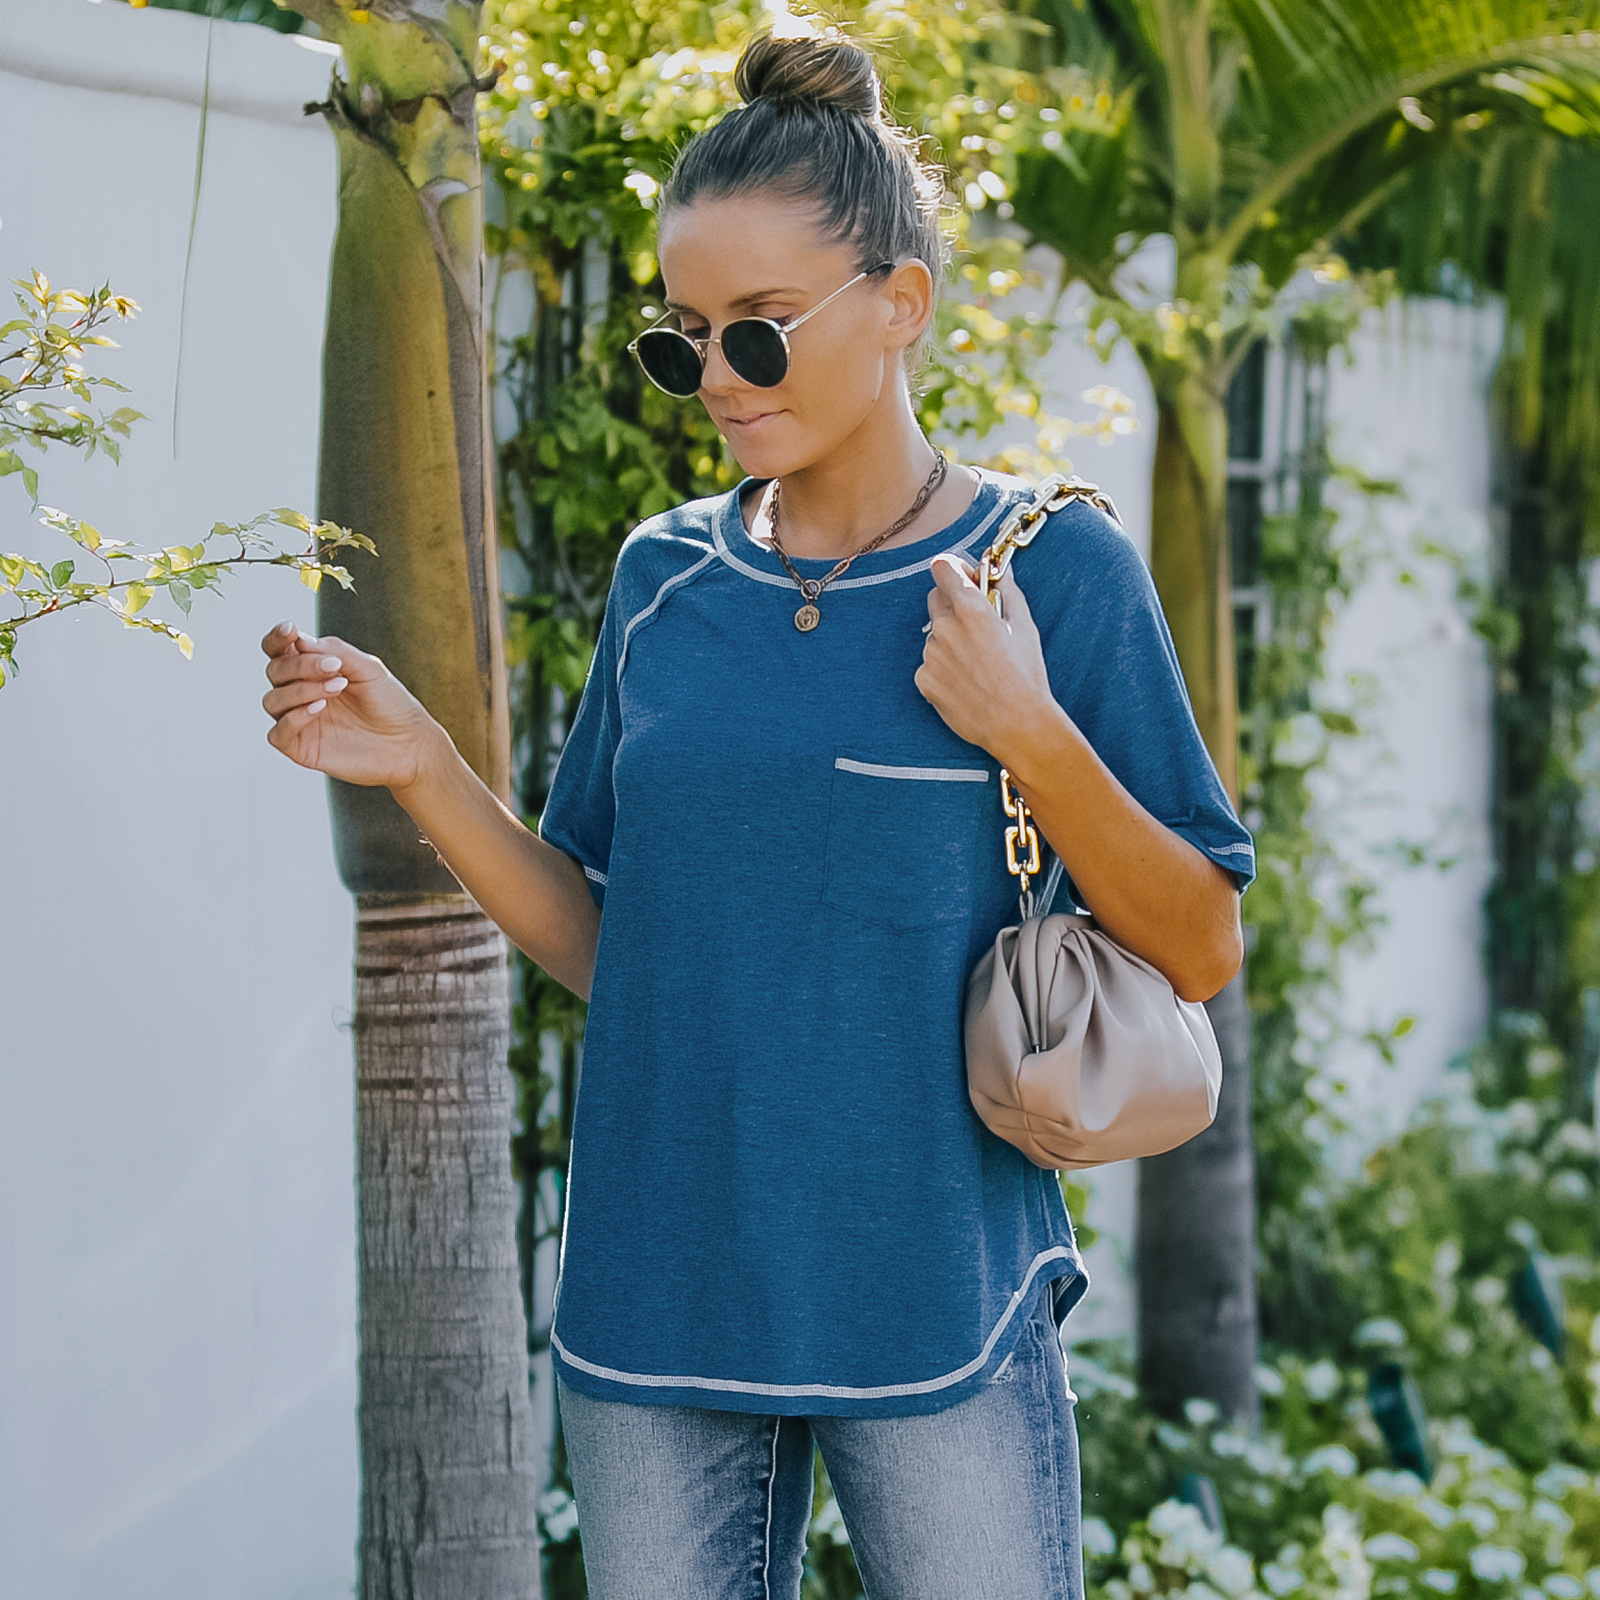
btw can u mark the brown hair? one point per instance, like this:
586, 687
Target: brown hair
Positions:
812, 129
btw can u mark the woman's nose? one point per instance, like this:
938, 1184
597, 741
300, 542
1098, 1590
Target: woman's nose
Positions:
718, 377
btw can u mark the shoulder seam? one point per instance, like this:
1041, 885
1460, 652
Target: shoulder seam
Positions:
639, 618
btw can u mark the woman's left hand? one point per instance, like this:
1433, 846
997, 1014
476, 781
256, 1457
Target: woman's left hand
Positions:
983, 672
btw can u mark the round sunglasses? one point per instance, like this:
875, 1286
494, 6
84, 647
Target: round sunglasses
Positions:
755, 348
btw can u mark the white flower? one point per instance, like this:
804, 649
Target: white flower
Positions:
1200, 1412
1444, 1582
1436, 1511
1281, 1580
1098, 1539
829, 1523
1562, 1586
1495, 1564
1268, 1381
558, 1515
1141, 1578
1479, 1517
1332, 1458
1400, 1485
1182, 1531
1547, 1511
1267, 1456
1557, 1479
1390, 1547
1592, 1578
1381, 1331
1341, 1549
1321, 1380
1229, 1444
1231, 1570
1499, 1494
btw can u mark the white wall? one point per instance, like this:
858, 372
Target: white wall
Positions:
1413, 406
177, 1272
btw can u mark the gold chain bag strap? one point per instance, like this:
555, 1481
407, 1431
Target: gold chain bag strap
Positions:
1078, 1051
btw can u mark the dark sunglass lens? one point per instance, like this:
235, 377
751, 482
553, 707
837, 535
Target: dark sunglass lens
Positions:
754, 349
670, 361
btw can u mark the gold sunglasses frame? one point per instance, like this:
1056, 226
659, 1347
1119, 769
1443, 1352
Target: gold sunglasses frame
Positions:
782, 329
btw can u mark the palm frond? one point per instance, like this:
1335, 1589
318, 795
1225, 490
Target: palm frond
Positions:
1322, 74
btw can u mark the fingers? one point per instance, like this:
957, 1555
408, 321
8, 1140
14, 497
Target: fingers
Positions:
1013, 602
281, 640
306, 692
954, 578
322, 658
285, 733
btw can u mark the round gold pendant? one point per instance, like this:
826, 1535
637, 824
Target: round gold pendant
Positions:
807, 617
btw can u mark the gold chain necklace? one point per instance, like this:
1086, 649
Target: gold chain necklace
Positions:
807, 617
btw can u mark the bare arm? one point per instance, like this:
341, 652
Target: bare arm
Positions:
340, 711
536, 893
1151, 890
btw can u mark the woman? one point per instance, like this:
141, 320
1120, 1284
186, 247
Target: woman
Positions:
772, 852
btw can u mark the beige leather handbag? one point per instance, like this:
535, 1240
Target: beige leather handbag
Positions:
1078, 1051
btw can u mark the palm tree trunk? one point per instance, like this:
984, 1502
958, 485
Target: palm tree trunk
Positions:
447, 1504
1198, 1326
1189, 558
448, 1488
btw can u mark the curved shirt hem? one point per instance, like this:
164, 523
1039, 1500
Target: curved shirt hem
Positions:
1061, 1266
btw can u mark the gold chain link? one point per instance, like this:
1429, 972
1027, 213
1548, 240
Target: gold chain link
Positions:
1018, 531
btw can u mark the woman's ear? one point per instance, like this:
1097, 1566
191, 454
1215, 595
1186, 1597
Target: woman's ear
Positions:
910, 291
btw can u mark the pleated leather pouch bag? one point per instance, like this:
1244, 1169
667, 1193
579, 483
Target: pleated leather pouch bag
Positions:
1078, 1051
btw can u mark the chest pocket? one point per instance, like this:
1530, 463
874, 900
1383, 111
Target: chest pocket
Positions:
901, 838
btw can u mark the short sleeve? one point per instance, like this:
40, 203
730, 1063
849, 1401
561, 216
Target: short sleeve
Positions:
580, 815
1115, 671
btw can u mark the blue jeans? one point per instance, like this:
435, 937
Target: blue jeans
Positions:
980, 1501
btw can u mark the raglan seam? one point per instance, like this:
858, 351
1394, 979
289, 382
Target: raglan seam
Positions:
648, 613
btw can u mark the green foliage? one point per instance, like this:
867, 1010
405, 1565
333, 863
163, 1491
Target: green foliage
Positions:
44, 386
45, 391
1311, 1510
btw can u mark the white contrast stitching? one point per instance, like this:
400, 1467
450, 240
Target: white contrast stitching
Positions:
641, 617
872, 769
827, 1391
596, 877
772, 1487
784, 582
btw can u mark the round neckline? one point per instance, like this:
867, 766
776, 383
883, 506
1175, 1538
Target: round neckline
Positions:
741, 547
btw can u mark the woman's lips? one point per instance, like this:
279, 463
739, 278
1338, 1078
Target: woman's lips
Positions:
746, 424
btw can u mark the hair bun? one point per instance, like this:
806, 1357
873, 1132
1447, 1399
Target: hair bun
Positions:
809, 69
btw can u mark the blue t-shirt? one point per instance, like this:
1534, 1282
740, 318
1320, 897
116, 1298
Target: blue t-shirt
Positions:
781, 1199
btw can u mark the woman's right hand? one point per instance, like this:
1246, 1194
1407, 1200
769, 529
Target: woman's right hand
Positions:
340, 711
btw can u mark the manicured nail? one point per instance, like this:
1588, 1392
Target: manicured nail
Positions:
284, 627
334, 685
330, 663
315, 707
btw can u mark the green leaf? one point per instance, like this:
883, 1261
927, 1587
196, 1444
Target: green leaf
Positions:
180, 595
61, 574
